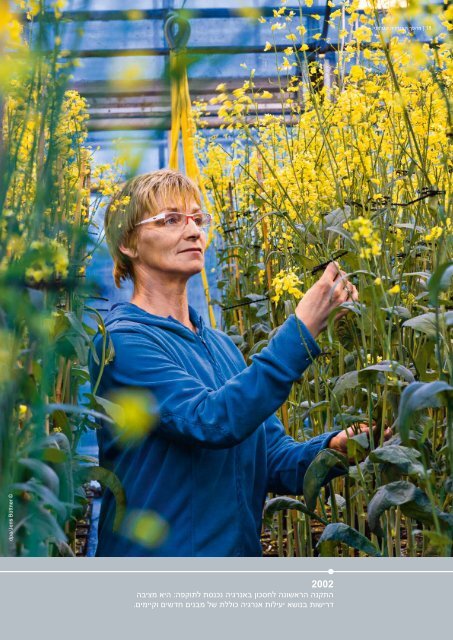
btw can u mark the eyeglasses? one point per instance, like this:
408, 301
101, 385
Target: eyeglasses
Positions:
177, 220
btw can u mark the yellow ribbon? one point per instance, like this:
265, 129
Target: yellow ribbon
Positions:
182, 121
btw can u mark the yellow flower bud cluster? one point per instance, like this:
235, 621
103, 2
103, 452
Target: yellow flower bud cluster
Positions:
50, 259
29, 135
286, 281
365, 235
395, 289
434, 234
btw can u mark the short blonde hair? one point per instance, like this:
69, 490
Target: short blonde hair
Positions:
140, 197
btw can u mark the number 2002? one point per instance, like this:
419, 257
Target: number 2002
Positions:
322, 584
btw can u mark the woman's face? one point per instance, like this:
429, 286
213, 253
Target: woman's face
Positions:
166, 250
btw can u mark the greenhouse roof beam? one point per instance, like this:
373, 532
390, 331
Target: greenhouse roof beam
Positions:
228, 50
161, 14
160, 123
105, 15
149, 106
144, 88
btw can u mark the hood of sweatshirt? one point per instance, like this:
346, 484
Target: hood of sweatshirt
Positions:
127, 315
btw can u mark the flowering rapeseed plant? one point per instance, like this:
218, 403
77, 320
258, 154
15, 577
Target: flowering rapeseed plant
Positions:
357, 164
286, 281
45, 192
366, 237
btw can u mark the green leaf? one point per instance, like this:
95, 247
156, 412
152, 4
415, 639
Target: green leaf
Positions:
398, 311
281, 503
413, 502
440, 281
40, 523
60, 440
109, 352
357, 445
339, 501
81, 373
77, 325
64, 549
340, 532
387, 367
448, 484
344, 328
79, 347
406, 460
426, 323
314, 407
44, 496
258, 346
341, 232
53, 454
345, 382
418, 396
42, 472
439, 540
72, 408
317, 472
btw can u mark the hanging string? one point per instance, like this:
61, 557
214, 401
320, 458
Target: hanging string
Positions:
177, 33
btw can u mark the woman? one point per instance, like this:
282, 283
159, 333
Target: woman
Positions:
219, 448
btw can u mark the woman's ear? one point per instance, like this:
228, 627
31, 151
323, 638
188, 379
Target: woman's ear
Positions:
127, 251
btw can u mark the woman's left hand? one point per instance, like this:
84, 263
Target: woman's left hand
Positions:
340, 441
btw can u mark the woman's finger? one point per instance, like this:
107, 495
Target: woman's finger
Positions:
341, 277
330, 272
388, 433
345, 295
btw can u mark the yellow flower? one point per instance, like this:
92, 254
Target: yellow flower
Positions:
286, 64
356, 73
134, 414
22, 411
286, 281
363, 34
365, 235
268, 46
395, 289
434, 234
409, 299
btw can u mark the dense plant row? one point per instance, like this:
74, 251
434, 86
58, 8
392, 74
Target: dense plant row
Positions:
45, 191
357, 169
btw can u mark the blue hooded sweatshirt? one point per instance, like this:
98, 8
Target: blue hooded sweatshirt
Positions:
218, 448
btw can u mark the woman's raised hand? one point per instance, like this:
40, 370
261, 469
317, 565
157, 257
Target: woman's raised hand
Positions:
331, 290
